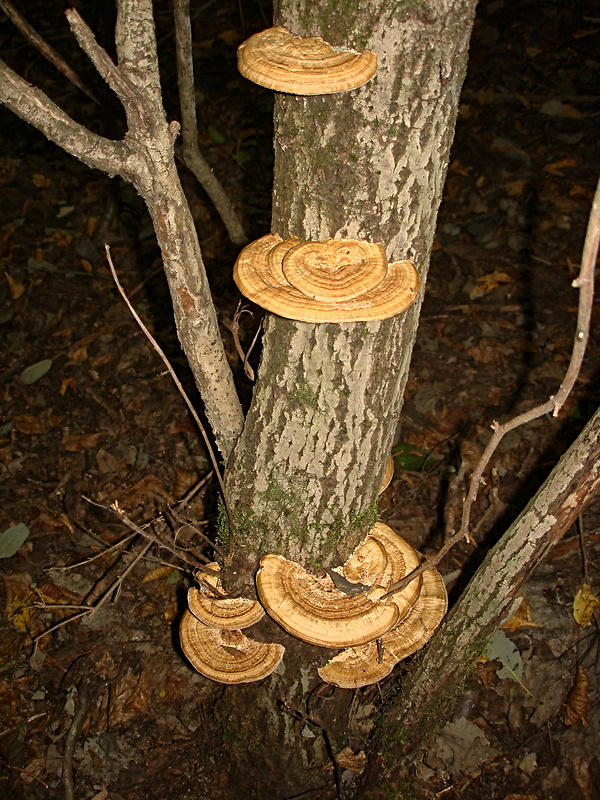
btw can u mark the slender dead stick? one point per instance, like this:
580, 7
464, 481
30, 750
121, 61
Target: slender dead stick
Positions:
192, 156
44, 48
182, 392
585, 283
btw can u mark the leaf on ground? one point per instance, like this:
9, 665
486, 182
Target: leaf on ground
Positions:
489, 283
500, 648
521, 618
35, 371
12, 538
584, 605
408, 457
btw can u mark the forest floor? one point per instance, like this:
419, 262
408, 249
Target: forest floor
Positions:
89, 417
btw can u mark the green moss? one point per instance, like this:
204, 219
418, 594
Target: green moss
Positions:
305, 395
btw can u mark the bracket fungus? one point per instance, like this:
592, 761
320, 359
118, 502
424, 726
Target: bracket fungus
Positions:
338, 280
314, 610
228, 613
361, 666
278, 60
226, 656
388, 475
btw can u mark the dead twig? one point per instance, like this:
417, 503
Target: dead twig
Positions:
44, 48
182, 392
234, 328
585, 283
192, 156
81, 708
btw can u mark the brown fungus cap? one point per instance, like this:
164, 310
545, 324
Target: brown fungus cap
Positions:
277, 59
361, 666
402, 559
389, 474
312, 609
367, 564
356, 667
229, 613
226, 656
415, 630
339, 280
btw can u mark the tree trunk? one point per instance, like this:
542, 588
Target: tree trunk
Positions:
368, 164
304, 476
429, 692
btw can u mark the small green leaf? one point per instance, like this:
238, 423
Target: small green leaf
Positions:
34, 372
409, 457
12, 539
174, 577
214, 134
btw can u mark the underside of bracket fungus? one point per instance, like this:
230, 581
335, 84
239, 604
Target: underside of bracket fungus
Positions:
361, 666
226, 656
277, 59
314, 610
338, 280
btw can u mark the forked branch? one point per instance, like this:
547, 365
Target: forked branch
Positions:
585, 283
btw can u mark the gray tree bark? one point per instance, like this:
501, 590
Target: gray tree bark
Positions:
369, 164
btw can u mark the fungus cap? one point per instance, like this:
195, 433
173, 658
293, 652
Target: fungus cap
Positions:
356, 667
367, 564
226, 656
389, 474
339, 280
419, 625
402, 559
277, 59
361, 666
312, 609
230, 613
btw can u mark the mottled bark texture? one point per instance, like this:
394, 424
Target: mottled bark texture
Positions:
429, 692
369, 164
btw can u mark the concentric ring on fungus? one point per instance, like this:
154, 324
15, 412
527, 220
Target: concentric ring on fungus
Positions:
402, 559
262, 274
312, 609
226, 656
361, 666
277, 59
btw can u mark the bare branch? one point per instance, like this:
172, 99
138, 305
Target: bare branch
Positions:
181, 390
32, 105
46, 49
585, 282
192, 156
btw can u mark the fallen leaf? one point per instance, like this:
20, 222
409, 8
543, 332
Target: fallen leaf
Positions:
577, 699
521, 618
557, 167
584, 605
36, 371
77, 443
26, 423
15, 287
12, 538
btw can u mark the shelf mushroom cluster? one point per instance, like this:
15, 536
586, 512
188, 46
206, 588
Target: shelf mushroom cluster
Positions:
277, 59
347, 610
212, 639
376, 632
338, 280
